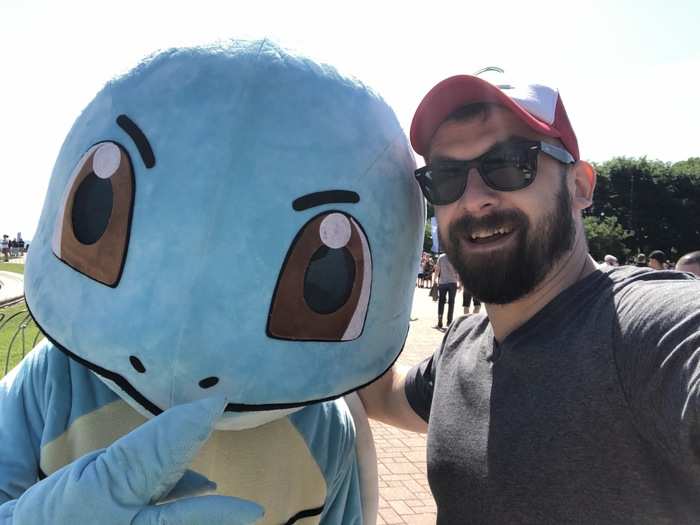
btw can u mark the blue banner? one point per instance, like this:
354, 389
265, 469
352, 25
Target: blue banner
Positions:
434, 233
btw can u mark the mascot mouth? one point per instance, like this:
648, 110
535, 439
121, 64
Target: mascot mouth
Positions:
151, 407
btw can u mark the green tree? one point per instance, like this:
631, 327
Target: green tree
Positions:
606, 235
658, 201
654, 204
687, 168
428, 235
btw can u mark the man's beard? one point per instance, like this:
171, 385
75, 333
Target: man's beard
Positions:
508, 274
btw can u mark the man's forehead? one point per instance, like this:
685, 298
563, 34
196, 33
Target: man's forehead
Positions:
476, 135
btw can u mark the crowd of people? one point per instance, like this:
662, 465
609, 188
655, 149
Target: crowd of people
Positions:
657, 260
438, 274
443, 291
426, 271
12, 248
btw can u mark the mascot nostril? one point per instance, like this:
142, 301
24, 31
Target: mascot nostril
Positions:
137, 364
255, 216
208, 382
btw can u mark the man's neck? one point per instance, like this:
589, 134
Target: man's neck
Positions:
571, 268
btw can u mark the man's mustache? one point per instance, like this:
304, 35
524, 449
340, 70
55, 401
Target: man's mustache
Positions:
468, 224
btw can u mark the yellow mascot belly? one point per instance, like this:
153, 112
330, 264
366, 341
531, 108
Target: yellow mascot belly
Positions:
270, 464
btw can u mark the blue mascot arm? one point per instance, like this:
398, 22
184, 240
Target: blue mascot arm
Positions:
115, 485
334, 449
21, 428
344, 505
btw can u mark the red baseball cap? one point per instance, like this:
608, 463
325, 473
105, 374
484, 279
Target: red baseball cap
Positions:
537, 105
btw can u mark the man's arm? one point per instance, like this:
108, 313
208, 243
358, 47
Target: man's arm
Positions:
657, 352
385, 400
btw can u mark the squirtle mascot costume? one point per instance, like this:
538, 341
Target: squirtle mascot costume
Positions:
227, 247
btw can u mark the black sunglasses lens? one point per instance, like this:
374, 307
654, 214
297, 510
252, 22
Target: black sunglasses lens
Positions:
447, 184
509, 170
507, 167
507, 178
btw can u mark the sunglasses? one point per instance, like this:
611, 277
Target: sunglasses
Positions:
509, 166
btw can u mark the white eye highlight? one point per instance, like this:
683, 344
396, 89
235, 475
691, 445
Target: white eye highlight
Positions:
358, 319
106, 160
335, 230
58, 229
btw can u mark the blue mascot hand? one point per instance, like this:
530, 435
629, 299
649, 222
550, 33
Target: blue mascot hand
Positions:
122, 483
191, 484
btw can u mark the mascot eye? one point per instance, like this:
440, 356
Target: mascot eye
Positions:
323, 290
93, 223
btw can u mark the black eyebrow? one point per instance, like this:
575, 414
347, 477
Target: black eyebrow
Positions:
324, 197
139, 138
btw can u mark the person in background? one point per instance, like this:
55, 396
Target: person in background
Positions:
5, 247
610, 260
640, 261
20, 244
657, 260
448, 283
421, 275
690, 263
467, 299
428, 272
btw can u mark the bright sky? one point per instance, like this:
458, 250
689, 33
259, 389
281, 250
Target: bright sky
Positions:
628, 70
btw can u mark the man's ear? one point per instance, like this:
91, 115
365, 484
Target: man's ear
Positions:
584, 184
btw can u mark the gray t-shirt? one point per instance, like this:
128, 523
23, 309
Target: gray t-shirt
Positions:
447, 272
588, 413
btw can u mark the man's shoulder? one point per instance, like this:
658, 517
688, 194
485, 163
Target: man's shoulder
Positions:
469, 324
630, 283
466, 329
649, 303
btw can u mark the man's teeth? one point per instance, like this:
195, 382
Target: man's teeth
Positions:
484, 234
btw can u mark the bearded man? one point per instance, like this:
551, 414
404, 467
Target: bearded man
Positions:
576, 398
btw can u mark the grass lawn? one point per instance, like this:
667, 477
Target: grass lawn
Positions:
18, 335
12, 267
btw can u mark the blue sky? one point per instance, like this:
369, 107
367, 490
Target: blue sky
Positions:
628, 71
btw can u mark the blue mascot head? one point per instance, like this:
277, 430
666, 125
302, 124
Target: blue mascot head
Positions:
234, 220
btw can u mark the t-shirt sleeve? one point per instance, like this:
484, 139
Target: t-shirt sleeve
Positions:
419, 385
658, 358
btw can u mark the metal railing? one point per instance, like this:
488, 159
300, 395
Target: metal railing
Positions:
18, 333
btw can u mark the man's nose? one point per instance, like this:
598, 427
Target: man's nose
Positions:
478, 198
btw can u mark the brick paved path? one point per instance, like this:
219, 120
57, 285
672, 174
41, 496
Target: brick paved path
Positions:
404, 495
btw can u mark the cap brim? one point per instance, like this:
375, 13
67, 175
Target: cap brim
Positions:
455, 92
